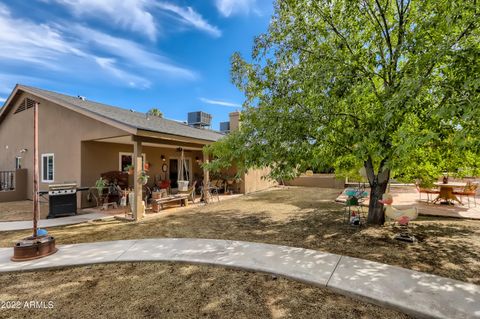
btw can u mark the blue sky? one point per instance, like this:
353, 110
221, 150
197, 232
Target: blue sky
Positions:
169, 54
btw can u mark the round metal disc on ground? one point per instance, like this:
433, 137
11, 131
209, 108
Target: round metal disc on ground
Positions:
33, 248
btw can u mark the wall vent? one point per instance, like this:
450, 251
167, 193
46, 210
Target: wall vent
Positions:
26, 104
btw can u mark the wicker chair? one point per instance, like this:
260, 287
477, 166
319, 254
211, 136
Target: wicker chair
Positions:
470, 190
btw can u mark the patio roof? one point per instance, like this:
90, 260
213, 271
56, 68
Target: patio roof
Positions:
117, 116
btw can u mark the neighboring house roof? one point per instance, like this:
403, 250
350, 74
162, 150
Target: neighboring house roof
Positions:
119, 115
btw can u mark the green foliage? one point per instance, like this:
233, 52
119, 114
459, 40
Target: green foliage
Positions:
100, 184
155, 112
347, 83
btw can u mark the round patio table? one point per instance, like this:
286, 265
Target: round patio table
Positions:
446, 192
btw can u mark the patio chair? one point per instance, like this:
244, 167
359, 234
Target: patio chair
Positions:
469, 190
428, 191
191, 192
100, 198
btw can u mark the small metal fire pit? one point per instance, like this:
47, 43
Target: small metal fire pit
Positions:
32, 248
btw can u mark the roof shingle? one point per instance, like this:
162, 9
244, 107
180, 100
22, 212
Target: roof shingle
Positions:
133, 119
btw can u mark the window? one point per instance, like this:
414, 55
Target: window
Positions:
125, 159
47, 168
18, 162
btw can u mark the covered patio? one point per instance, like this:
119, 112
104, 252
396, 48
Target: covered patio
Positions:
155, 154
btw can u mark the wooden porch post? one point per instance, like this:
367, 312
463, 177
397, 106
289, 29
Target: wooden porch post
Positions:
137, 208
206, 173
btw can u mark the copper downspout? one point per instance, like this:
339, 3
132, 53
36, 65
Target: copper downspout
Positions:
35, 171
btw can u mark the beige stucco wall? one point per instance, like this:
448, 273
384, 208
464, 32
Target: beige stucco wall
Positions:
234, 118
318, 180
20, 191
60, 132
254, 181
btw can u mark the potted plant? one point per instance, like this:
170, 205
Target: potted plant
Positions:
143, 178
129, 168
100, 184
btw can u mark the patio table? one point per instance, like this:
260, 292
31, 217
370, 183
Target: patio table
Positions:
446, 192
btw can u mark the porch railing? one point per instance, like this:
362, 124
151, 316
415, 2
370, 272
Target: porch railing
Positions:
7, 180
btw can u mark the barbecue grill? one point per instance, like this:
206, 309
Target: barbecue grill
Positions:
62, 199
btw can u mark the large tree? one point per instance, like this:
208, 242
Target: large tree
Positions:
390, 85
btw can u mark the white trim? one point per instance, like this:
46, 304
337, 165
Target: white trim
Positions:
53, 167
120, 154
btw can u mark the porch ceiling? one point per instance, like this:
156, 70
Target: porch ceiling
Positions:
127, 139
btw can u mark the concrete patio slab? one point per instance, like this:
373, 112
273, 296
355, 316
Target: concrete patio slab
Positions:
45, 223
79, 254
407, 197
415, 293
305, 265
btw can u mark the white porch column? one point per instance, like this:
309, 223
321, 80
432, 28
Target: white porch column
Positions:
137, 207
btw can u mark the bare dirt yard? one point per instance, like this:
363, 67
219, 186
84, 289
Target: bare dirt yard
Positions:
164, 290
300, 217
21, 210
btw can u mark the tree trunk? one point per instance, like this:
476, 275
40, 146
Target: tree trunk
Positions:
378, 186
376, 215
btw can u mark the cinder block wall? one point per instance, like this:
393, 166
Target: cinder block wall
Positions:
318, 180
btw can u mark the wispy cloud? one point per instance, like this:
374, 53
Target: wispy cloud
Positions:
129, 15
140, 16
190, 17
78, 51
2, 99
219, 102
131, 53
231, 7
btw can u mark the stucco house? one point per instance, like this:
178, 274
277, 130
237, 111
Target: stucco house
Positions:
80, 139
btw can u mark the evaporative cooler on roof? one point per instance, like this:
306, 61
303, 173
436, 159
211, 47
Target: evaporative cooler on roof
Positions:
199, 119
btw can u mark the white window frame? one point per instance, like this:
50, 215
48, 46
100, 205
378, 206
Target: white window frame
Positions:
120, 154
53, 168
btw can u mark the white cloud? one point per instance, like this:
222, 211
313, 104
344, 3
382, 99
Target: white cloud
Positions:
131, 52
232, 7
2, 99
137, 15
78, 51
109, 64
190, 17
219, 102
29, 42
126, 14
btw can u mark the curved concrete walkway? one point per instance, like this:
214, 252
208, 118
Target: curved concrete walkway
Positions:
62, 221
415, 293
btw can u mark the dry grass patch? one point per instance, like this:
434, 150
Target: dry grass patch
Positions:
300, 217
163, 290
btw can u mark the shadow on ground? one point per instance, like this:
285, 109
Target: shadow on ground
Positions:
301, 217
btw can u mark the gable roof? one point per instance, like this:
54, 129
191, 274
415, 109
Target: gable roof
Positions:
123, 117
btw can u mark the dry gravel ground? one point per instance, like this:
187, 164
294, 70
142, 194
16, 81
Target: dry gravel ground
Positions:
300, 217
163, 290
